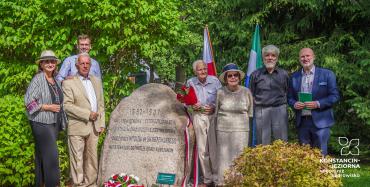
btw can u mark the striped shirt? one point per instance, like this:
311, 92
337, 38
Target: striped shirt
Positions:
37, 94
306, 86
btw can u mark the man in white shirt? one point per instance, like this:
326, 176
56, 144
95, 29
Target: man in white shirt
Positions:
84, 106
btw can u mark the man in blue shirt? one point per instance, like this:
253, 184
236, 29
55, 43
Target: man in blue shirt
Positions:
205, 87
68, 69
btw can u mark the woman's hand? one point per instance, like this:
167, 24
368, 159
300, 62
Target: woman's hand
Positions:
52, 107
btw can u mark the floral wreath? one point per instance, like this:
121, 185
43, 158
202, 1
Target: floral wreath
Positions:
122, 180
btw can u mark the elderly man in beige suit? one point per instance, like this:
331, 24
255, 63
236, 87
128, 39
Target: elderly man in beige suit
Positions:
84, 105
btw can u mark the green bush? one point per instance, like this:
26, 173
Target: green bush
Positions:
14, 77
63, 158
17, 145
281, 164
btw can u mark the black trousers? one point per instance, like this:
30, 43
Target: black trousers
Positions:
46, 154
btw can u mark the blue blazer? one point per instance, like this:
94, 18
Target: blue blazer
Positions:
324, 90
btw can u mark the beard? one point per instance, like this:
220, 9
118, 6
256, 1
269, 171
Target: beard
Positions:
270, 65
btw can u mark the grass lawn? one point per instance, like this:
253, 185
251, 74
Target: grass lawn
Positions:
362, 181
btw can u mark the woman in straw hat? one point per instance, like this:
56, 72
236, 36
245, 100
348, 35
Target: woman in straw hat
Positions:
234, 107
43, 100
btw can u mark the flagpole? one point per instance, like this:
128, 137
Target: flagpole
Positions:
255, 62
210, 43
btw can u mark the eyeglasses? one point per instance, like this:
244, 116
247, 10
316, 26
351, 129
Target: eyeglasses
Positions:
49, 61
233, 75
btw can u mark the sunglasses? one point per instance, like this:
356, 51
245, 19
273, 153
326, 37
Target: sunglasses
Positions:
49, 61
229, 75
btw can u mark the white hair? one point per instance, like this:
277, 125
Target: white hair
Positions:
270, 49
83, 55
195, 63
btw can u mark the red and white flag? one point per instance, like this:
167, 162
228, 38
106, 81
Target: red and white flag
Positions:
208, 53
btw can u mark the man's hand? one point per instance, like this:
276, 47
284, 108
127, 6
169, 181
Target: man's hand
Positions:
69, 77
101, 130
311, 105
197, 106
93, 116
52, 107
207, 109
299, 105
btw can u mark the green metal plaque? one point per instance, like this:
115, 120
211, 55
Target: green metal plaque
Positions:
166, 178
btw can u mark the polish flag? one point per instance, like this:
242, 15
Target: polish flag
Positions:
208, 53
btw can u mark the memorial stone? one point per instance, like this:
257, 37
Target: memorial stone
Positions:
146, 136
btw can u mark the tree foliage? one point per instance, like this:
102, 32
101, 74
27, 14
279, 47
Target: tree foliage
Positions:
123, 33
336, 31
16, 146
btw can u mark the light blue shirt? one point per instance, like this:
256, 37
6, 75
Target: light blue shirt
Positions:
306, 87
69, 68
206, 92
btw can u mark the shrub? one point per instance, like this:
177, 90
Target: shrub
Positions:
15, 76
17, 145
281, 164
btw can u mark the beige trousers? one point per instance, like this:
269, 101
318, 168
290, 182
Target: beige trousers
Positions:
202, 123
84, 159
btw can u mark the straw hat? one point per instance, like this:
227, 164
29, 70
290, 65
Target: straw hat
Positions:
47, 55
230, 67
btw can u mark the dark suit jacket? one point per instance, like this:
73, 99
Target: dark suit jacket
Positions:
324, 90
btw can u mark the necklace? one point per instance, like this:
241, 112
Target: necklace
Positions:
51, 81
55, 91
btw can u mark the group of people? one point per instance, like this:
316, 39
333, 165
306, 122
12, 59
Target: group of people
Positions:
74, 93
222, 115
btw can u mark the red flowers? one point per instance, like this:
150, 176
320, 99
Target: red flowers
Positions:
122, 180
187, 95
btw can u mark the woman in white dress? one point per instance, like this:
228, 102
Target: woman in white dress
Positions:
234, 107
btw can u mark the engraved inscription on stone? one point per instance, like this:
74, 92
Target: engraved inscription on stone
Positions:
159, 131
146, 136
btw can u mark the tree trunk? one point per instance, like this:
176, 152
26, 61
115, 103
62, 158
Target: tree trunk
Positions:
180, 74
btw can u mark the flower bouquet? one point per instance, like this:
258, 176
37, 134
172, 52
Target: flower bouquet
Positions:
122, 180
187, 95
